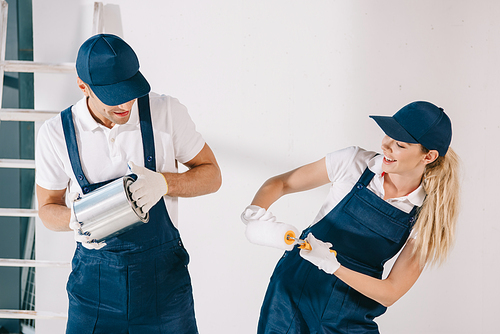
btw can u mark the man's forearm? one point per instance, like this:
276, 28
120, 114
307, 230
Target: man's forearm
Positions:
55, 217
200, 180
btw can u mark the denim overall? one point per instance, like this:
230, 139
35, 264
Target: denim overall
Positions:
365, 231
139, 282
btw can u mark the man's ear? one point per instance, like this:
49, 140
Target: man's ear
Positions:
431, 156
83, 87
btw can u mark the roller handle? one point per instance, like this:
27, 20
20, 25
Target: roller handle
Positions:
307, 246
290, 239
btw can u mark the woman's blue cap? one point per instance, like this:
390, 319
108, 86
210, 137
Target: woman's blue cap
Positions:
419, 122
110, 67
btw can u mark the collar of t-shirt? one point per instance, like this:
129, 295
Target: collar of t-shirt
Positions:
416, 197
88, 123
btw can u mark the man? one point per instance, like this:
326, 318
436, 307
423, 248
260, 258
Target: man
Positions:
137, 281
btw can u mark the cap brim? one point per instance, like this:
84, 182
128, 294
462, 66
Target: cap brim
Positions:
122, 92
393, 129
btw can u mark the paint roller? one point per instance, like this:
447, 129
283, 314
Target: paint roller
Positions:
275, 234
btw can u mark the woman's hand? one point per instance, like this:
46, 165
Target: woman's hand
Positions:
320, 255
254, 212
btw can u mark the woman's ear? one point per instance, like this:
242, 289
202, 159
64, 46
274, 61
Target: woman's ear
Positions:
430, 157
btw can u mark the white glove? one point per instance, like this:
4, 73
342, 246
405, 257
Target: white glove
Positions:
320, 255
254, 212
75, 225
149, 187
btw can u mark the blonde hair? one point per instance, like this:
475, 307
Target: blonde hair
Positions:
436, 221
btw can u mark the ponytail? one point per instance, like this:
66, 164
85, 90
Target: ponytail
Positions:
436, 221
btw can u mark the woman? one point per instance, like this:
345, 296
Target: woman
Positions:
406, 199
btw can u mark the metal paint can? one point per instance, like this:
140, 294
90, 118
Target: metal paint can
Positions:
109, 210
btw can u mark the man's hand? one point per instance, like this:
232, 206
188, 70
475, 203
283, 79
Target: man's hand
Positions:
149, 187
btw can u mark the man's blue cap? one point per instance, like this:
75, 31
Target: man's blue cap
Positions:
110, 67
419, 122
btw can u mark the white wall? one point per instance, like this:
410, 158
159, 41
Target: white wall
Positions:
276, 84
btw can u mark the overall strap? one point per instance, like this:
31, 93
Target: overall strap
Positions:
366, 177
413, 216
148, 142
72, 146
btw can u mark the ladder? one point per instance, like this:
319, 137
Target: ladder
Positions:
38, 117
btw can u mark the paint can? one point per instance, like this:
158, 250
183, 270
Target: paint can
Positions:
109, 210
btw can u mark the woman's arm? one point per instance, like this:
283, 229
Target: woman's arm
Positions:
403, 275
301, 179
406, 269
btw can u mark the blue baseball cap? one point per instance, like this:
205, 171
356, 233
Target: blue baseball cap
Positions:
419, 122
110, 67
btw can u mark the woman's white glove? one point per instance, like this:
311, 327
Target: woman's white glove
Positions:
254, 212
75, 225
320, 255
149, 187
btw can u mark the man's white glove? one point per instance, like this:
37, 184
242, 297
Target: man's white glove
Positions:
149, 187
254, 212
320, 255
80, 236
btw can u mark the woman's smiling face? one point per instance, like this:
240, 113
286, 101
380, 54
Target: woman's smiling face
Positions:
403, 158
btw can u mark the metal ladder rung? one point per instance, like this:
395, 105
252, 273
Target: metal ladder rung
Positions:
18, 212
31, 263
32, 66
21, 314
38, 117
17, 163
26, 115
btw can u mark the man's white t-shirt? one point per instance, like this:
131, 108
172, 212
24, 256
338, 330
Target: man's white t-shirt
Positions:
104, 152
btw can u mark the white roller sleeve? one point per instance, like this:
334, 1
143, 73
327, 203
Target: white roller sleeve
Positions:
272, 234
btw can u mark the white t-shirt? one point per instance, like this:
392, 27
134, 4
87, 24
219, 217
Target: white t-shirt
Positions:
104, 152
346, 166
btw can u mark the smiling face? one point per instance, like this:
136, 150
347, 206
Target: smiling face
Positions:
404, 158
104, 114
